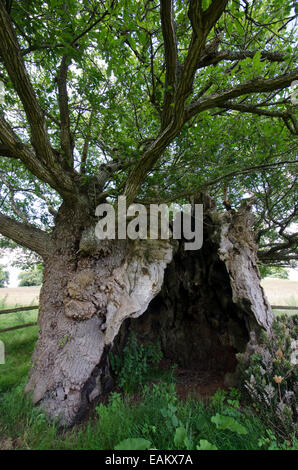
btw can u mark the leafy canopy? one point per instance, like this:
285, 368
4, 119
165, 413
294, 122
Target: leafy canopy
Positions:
156, 100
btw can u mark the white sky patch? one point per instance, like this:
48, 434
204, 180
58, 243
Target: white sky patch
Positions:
7, 261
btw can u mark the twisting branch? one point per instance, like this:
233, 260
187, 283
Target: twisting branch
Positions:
201, 23
247, 108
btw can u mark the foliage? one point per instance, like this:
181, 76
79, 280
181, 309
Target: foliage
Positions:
4, 277
206, 445
119, 100
273, 271
269, 375
122, 418
132, 366
31, 277
136, 443
226, 422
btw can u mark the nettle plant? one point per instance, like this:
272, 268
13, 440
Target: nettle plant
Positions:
269, 375
132, 367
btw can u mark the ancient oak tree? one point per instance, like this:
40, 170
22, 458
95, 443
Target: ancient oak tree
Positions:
157, 101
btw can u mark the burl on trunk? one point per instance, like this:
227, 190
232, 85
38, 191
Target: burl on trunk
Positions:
202, 304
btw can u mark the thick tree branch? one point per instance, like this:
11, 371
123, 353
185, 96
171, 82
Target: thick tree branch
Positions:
213, 59
66, 137
201, 23
257, 85
5, 152
26, 235
252, 109
171, 56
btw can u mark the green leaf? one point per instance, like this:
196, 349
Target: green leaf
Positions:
257, 64
175, 421
180, 436
226, 422
206, 445
133, 443
239, 28
205, 4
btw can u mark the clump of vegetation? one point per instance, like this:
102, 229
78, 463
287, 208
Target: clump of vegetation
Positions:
270, 375
4, 276
31, 277
170, 423
273, 271
134, 364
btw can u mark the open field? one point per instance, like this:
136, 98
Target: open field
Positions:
281, 291
20, 295
278, 291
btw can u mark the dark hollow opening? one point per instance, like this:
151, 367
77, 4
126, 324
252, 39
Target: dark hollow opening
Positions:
199, 326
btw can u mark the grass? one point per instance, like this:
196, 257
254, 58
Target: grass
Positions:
24, 427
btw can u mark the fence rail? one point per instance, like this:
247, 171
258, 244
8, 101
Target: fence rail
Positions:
19, 309
283, 307
18, 327
36, 307
15, 310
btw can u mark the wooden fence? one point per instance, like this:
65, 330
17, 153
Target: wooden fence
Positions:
36, 307
19, 309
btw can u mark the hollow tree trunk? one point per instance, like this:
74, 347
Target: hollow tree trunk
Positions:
203, 304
